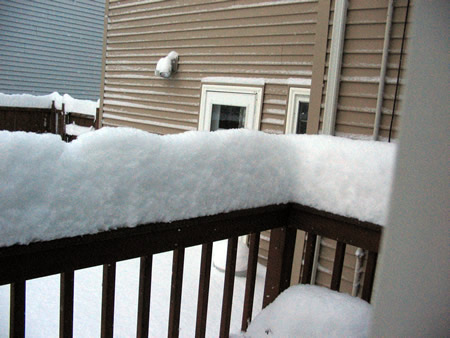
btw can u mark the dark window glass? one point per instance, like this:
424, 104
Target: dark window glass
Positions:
302, 118
227, 117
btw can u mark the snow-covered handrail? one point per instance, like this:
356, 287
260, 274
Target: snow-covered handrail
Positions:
119, 177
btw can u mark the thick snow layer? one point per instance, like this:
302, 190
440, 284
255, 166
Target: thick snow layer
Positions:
121, 177
312, 311
45, 101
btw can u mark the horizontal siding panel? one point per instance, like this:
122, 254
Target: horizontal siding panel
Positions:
257, 8
36, 47
205, 59
155, 98
178, 92
51, 46
250, 31
46, 79
150, 126
234, 41
151, 107
142, 84
294, 68
152, 115
47, 42
28, 65
61, 9
211, 23
178, 6
272, 41
22, 24
149, 113
133, 6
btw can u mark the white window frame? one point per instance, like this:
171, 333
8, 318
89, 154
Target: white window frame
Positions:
296, 95
248, 97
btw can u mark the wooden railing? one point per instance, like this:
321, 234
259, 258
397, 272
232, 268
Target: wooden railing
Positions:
19, 263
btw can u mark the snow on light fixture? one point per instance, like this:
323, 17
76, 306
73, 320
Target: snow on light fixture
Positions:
168, 65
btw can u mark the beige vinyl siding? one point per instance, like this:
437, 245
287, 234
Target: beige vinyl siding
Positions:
361, 63
269, 40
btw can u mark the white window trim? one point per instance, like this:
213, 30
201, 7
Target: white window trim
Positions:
251, 122
296, 95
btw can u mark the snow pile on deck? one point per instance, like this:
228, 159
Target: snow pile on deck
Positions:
72, 105
312, 311
117, 177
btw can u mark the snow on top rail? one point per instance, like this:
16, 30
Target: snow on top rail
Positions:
121, 177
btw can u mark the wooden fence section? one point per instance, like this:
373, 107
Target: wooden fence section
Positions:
42, 120
19, 263
36, 120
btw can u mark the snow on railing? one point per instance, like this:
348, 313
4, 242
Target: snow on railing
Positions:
117, 177
163, 188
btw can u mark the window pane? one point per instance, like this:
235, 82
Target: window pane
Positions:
302, 117
227, 117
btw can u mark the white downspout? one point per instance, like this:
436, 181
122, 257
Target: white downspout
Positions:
387, 36
334, 67
332, 92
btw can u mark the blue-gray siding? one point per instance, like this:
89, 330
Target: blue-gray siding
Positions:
51, 45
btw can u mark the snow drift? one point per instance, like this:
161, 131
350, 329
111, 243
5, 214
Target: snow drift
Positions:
121, 177
312, 311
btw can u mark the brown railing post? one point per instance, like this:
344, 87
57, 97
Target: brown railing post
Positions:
145, 280
97, 118
175, 294
66, 304
17, 310
251, 279
53, 120
203, 290
109, 284
62, 118
279, 264
369, 276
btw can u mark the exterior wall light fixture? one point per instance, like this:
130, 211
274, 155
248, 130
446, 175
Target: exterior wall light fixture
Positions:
168, 65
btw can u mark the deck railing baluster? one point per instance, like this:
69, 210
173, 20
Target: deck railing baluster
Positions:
228, 287
251, 279
145, 282
108, 291
66, 304
175, 294
203, 289
337, 266
17, 310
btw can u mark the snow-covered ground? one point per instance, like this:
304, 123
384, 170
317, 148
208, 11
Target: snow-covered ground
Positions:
42, 308
123, 177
